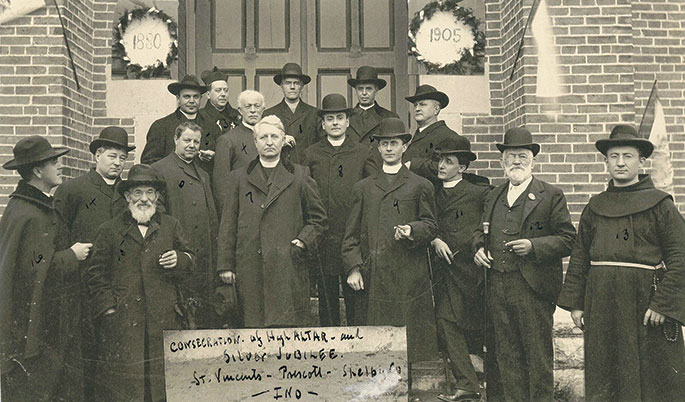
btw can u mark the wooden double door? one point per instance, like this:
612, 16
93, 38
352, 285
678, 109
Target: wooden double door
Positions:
330, 39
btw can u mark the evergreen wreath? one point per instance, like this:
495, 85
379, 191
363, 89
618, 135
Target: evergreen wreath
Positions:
158, 69
471, 62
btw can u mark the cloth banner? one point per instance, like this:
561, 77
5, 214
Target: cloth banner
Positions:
549, 74
653, 127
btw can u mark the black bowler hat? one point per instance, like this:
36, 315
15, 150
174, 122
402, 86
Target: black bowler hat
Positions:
141, 175
625, 135
209, 76
292, 70
429, 92
456, 145
365, 75
225, 303
334, 103
111, 136
392, 127
31, 150
188, 82
519, 137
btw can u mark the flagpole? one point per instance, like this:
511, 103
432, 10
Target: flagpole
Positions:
523, 37
652, 94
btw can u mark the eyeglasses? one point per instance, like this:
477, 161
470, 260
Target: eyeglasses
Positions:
138, 193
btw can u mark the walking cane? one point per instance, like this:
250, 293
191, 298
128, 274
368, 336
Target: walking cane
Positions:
327, 302
486, 233
435, 313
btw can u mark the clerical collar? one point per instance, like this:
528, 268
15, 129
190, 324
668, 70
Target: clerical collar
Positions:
46, 194
367, 107
292, 106
391, 169
521, 186
246, 124
107, 180
450, 183
188, 116
336, 142
269, 164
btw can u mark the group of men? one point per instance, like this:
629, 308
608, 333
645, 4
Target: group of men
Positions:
233, 214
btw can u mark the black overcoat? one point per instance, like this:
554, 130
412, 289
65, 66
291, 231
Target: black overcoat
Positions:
336, 170
188, 197
39, 295
160, 137
257, 225
225, 120
362, 130
234, 150
304, 125
458, 297
547, 224
395, 272
125, 274
420, 150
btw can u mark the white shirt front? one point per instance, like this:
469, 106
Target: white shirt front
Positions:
336, 142
515, 191
451, 183
269, 164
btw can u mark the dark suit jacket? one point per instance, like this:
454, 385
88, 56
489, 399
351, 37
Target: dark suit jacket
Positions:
234, 150
160, 137
362, 131
420, 151
547, 224
304, 125
225, 120
188, 198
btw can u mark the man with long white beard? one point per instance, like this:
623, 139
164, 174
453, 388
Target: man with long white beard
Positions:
138, 259
530, 231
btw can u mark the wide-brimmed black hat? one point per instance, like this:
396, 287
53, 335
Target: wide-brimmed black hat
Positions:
455, 145
334, 103
625, 135
225, 303
209, 76
31, 150
518, 137
188, 82
141, 175
111, 136
426, 91
392, 127
292, 70
365, 75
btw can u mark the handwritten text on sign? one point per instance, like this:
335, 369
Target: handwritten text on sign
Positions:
315, 364
443, 39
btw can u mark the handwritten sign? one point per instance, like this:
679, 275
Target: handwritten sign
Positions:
147, 41
310, 364
444, 39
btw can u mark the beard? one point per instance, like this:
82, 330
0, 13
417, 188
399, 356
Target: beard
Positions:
142, 215
518, 174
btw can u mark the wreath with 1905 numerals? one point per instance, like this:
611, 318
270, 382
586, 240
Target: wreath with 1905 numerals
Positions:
471, 62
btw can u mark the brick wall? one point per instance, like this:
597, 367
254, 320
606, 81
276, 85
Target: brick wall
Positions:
611, 51
38, 94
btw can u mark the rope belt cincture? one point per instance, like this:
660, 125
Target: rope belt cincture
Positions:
661, 265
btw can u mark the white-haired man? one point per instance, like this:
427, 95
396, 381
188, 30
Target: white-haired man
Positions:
236, 148
138, 259
272, 217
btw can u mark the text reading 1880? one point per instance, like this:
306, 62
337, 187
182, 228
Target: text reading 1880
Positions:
147, 41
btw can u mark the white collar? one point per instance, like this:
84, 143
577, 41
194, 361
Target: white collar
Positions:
391, 169
336, 143
183, 160
451, 183
247, 125
292, 106
367, 107
108, 181
188, 116
521, 187
269, 164
46, 194
428, 125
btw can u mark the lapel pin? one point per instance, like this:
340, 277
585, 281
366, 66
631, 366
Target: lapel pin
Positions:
531, 196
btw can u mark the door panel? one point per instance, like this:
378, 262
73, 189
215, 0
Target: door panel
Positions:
330, 39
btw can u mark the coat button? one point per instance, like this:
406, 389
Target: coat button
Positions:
138, 299
135, 324
194, 202
259, 251
262, 206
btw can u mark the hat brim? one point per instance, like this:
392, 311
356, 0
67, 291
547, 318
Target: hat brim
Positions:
535, 148
322, 112
278, 78
56, 152
468, 154
441, 97
176, 87
125, 185
644, 146
100, 142
380, 83
406, 137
